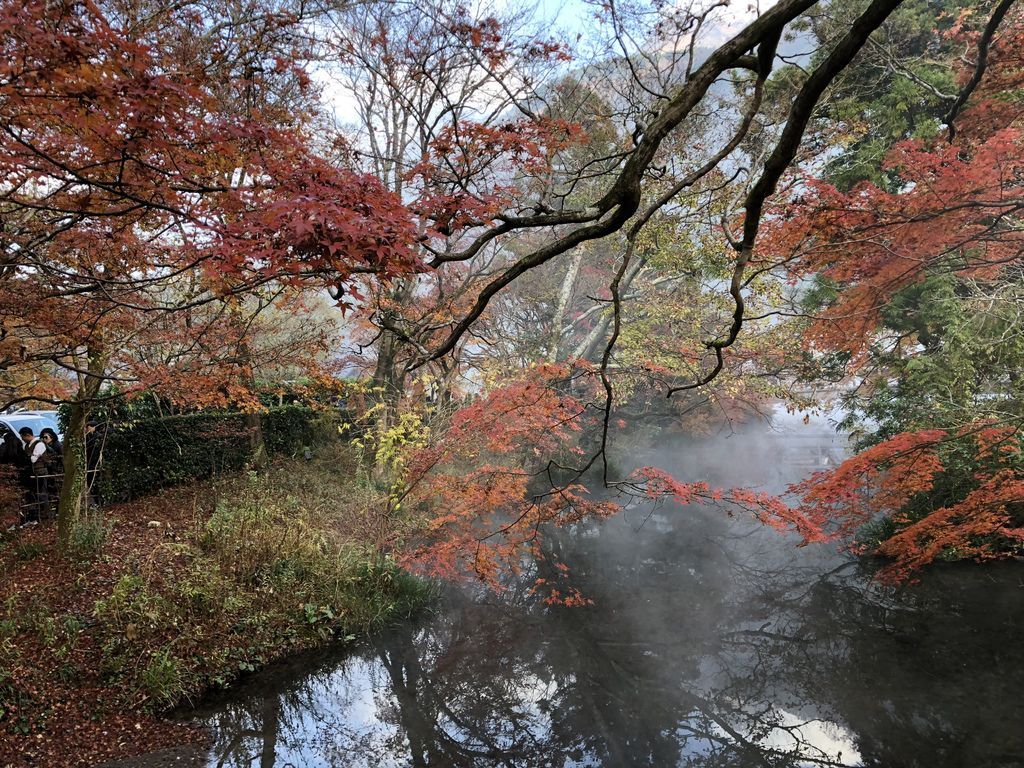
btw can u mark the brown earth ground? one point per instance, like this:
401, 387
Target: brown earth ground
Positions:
58, 710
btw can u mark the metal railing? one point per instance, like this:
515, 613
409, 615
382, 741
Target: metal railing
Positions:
42, 495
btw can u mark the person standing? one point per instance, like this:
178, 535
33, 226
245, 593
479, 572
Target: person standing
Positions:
36, 451
12, 456
54, 451
54, 458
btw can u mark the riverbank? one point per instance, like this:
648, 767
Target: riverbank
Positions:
171, 596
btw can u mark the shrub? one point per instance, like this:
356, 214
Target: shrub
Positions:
255, 538
89, 535
155, 453
162, 682
133, 608
275, 567
384, 592
28, 549
288, 429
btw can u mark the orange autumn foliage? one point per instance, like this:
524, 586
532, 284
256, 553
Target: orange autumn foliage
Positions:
139, 210
947, 205
950, 205
489, 483
954, 210
884, 480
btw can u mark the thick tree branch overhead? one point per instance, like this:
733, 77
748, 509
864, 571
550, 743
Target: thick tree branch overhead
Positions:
753, 48
784, 153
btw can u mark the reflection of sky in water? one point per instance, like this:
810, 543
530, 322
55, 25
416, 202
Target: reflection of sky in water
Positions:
810, 742
350, 730
713, 642
343, 708
814, 739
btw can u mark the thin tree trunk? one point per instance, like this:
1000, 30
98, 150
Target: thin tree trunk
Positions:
389, 386
259, 460
587, 348
252, 422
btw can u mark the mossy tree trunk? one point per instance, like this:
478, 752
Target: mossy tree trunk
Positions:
388, 386
259, 459
389, 375
74, 492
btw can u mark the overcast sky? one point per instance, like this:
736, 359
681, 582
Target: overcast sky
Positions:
577, 15
569, 18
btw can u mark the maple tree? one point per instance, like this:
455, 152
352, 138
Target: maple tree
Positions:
945, 206
500, 197
541, 247
478, 497
134, 203
500, 201
917, 274
442, 117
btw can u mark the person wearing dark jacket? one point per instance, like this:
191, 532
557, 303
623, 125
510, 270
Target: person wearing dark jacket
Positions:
54, 451
12, 454
54, 461
12, 449
36, 449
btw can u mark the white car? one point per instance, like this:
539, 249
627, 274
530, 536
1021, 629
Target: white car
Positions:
37, 421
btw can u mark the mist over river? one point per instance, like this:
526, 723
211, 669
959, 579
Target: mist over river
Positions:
711, 641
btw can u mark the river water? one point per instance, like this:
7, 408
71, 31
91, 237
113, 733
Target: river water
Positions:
711, 641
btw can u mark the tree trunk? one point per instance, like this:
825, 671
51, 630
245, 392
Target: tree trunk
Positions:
389, 372
564, 296
587, 348
74, 492
259, 460
388, 385
388, 378
251, 422
75, 486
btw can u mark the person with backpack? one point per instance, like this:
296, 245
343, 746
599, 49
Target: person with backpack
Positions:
36, 450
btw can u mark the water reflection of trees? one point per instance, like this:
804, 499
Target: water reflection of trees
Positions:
694, 654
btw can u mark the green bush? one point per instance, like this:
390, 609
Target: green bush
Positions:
255, 538
162, 682
155, 453
28, 549
290, 428
89, 536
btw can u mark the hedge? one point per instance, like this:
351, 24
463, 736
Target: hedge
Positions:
154, 453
